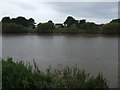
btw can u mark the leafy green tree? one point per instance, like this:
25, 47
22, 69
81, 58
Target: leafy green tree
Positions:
71, 26
45, 27
12, 28
73, 29
90, 27
31, 22
70, 21
50, 21
21, 21
111, 28
115, 21
5, 20
82, 21
13, 20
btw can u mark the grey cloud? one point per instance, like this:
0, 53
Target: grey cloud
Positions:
23, 5
105, 10
99, 12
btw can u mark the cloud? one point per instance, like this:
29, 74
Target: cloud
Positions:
23, 5
40, 11
60, 0
99, 12
106, 10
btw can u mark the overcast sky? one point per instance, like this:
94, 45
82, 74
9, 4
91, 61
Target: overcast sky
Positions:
98, 12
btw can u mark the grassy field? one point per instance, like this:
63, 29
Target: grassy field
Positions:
20, 75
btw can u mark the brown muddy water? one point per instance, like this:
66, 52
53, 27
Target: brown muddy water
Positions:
94, 53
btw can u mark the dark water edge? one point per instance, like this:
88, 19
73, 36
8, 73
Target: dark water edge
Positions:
60, 34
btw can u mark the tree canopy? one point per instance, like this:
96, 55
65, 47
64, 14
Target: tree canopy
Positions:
71, 25
70, 21
45, 27
13, 28
5, 20
19, 20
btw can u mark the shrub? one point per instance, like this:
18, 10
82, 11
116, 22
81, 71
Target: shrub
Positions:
45, 27
111, 28
90, 27
12, 28
19, 75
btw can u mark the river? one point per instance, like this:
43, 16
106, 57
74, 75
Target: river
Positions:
94, 53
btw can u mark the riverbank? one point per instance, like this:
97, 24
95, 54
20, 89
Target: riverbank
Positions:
19, 75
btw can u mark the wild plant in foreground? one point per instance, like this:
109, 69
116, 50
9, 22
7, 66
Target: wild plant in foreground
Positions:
19, 75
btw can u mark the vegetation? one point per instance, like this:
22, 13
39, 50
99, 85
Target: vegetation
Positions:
45, 27
13, 28
19, 75
17, 25
71, 25
19, 20
111, 28
70, 21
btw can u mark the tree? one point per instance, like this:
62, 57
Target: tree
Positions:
13, 20
111, 28
50, 21
6, 20
31, 22
12, 28
51, 24
90, 27
83, 21
45, 27
73, 29
115, 21
21, 21
70, 21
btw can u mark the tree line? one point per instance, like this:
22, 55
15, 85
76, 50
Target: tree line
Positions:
70, 25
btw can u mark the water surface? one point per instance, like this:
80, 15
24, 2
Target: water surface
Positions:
94, 53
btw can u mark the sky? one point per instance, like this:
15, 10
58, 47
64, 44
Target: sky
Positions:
98, 12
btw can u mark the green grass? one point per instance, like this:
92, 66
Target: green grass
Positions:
29, 28
20, 75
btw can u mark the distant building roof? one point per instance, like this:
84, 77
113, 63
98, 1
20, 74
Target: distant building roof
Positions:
58, 24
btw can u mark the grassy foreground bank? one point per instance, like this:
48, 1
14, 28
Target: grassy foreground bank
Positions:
20, 75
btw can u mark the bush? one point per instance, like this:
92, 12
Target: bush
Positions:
19, 75
90, 27
111, 28
12, 28
45, 27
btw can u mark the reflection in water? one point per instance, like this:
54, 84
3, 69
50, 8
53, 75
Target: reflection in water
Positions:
95, 54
